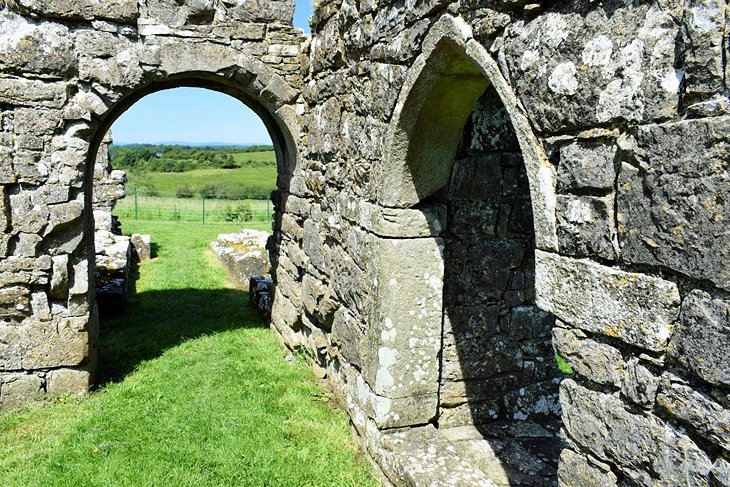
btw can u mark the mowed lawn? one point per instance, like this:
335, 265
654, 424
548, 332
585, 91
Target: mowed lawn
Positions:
258, 177
197, 394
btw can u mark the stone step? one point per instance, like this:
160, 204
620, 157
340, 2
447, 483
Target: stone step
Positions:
510, 454
497, 455
424, 457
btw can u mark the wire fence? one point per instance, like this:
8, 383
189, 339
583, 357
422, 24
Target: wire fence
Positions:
253, 208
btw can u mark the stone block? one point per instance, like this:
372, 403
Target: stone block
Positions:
586, 226
538, 401
348, 280
576, 69
704, 36
243, 254
639, 384
63, 215
657, 455
24, 245
7, 172
312, 244
635, 308
68, 381
285, 320
20, 91
44, 344
4, 210
695, 409
313, 290
124, 11
240, 31
492, 265
143, 246
475, 220
491, 127
25, 215
272, 11
527, 322
17, 389
348, 333
35, 47
673, 210
702, 339
587, 166
181, 58
24, 271
396, 412
404, 333
288, 283
121, 70
425, 457
593, 360
428, 221
576, 470
721, 472
477, 178
14, 302
476, 358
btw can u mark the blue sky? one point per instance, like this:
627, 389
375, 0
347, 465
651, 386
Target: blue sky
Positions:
302, 14
193, 115
196, 115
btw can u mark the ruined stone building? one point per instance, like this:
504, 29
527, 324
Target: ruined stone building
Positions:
464, 189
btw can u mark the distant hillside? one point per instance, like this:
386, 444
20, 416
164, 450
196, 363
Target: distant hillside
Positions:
181, 158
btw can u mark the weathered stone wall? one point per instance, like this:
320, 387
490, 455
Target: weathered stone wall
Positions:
67, 70
497, 359
113, 251
621, 114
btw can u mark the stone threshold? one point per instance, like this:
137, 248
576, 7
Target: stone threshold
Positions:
503, 455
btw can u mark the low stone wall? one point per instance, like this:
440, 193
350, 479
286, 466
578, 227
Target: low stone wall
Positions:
244, 255
113, 274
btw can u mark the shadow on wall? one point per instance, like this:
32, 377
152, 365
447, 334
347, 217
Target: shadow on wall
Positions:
159, 320
499, 384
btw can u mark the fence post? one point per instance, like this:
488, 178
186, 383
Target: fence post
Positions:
135, 204
202, 197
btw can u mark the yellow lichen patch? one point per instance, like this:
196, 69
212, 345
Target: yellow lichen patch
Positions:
612, 330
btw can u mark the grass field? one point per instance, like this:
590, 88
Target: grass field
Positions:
257, 177
201, 395
191, 210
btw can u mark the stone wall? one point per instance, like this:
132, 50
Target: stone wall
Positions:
67, 71
620, 111
621, 115
113, 274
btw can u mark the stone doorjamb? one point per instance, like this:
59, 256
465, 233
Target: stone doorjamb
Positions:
406, 319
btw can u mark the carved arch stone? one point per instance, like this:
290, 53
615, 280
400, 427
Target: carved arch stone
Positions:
437, 97
406, 319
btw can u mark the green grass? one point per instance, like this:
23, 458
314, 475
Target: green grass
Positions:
202, 398
189, 210
259, 177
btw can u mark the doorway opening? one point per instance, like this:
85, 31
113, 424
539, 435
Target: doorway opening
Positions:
461, 143
498, 391
169, 187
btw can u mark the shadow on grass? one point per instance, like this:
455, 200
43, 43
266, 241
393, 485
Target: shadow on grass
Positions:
158, 320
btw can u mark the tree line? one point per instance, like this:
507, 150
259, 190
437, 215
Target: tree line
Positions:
181, 158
